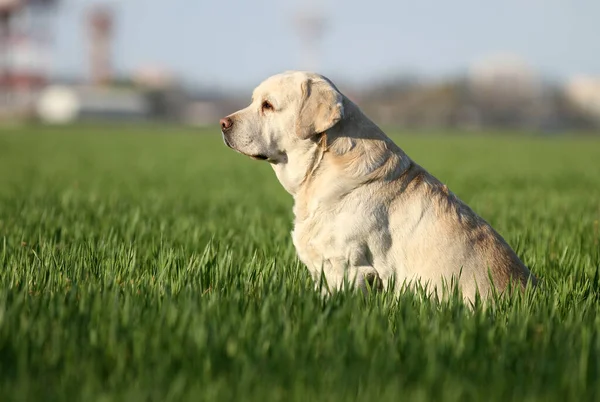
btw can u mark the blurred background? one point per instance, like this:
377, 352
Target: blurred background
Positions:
466, 65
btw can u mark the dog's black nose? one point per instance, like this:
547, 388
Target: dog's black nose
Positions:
226, 123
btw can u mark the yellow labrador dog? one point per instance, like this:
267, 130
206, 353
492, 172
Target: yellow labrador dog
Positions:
365, 213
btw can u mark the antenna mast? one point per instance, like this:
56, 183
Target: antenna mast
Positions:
310, 24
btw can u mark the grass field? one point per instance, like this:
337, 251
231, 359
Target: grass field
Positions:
145, 263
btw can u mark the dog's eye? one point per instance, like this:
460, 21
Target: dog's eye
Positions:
266, 105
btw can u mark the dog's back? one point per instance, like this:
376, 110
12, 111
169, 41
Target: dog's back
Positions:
442, 237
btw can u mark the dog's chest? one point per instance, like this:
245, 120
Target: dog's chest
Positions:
330, 239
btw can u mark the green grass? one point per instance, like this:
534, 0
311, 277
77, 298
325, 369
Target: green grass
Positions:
148, 263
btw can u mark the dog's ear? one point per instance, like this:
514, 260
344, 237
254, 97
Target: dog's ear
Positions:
321, 108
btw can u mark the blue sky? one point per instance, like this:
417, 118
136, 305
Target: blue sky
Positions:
237, 43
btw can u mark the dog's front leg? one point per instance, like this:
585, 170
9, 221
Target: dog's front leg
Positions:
334, 277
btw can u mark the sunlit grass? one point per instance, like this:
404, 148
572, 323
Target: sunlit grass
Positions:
144, 263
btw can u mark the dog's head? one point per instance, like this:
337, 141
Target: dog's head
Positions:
286, 113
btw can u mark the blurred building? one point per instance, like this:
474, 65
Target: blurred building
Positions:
66, 104
584, 93
506, 91
24, 54
506, 75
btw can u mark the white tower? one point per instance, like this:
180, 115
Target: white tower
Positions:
310, 25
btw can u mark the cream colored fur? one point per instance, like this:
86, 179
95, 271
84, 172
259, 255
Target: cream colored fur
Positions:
363, 209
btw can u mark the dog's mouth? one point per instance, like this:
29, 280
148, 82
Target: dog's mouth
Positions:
259, 157
226, 141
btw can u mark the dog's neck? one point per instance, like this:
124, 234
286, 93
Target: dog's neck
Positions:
350, 154
300, 165
358, 151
